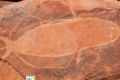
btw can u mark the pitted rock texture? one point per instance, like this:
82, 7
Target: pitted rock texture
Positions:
60, 39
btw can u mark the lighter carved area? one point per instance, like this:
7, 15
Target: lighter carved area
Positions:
63, 38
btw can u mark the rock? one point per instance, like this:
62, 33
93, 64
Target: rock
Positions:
54, 40
7, 72
4, 3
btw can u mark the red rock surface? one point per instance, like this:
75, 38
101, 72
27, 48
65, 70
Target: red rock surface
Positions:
60, 39
9, 73
4, 3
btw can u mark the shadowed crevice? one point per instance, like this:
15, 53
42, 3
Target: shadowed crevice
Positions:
12, 0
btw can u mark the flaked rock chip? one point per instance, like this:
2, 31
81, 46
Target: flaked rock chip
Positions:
61, 39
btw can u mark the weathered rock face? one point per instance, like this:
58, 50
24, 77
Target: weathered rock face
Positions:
9, 73
60, 39
4, 3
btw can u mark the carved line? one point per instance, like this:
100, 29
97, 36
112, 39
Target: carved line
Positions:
31, 65
13, 67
